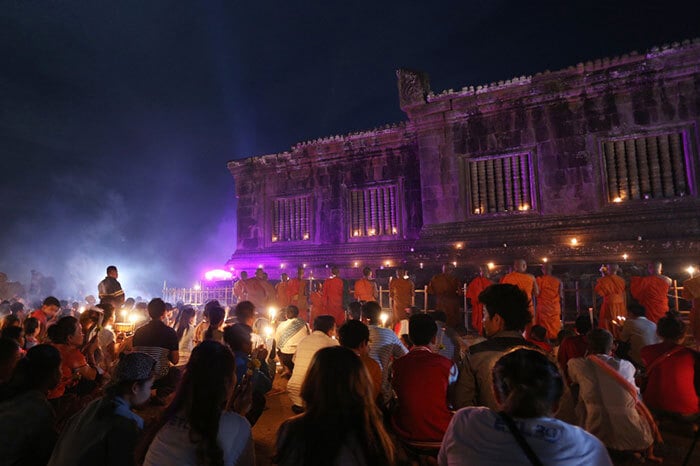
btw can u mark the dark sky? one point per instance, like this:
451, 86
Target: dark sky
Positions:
117, 118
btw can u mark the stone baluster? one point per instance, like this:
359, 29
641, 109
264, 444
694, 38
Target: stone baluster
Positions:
632, 171
666, 168
678, 162
654, 167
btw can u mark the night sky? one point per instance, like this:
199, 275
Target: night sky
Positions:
117, 118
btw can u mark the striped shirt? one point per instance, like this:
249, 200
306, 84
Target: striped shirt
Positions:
383, 346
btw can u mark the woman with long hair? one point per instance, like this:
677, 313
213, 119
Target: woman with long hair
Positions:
196, 428
217, 314
185, 334
341, 423
527, 387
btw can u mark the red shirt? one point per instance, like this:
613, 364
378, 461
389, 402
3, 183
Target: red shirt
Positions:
672, 383
420, 380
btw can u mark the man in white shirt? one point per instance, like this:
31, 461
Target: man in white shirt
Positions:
639, 332
321, 337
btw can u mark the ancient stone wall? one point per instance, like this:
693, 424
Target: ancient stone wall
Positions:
604, 152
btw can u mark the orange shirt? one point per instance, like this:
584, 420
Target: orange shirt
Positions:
474, 289
652, 293
375, 373
71, 359
525, 282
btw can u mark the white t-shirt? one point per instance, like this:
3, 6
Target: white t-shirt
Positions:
172, 443
478, 436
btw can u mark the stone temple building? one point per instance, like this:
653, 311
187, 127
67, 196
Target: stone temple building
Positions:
592, 163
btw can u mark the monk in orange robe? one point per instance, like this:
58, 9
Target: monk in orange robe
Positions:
691, 292
297, 293
333, 290
401, 291
652, 292
240, 290
317, 308
447, 289
474, 289
612, 288
366, 289
525, 281
281, 291
549, 302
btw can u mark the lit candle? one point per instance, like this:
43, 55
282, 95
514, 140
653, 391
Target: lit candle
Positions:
490, 265
273, 312
383, 317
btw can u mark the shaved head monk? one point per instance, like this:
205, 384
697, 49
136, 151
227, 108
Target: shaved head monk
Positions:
549, 301
652, 291
611, 288
446, 288
474, 289
525, 281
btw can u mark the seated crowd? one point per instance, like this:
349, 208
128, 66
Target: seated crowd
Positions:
71, 388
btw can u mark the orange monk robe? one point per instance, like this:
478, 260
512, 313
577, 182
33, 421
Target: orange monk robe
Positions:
333, 299
297, 295
401, 292
283, 299
525, 282
260, 293
612, 289
446, 289
474, 289
549, 305
652, 293
365, 290
240, 290
691, 292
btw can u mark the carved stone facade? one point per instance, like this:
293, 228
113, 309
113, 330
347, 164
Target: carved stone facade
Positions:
604, 152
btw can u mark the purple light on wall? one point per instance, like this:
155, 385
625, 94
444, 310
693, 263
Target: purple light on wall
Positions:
218, 274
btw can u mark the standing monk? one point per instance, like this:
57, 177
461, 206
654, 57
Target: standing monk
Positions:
612, 288
474, 289
652, 291
281, 291
240, 289
526, 282
366, 289
549, 301
401, 291
297, 290
691, 292
333, 291
446, 288
110, 290
260, 292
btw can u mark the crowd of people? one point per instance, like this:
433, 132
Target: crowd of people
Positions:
364, 388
